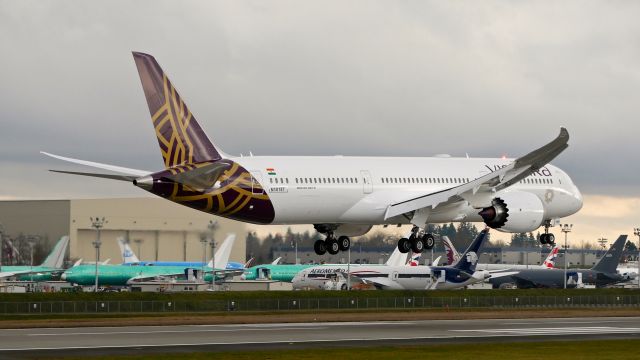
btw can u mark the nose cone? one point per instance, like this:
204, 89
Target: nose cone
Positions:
577, 200
145, 182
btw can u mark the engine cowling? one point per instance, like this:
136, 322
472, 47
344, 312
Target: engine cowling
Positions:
514, 212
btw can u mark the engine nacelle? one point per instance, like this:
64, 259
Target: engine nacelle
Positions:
514, 212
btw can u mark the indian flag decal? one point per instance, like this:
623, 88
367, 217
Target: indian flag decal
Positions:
271, 171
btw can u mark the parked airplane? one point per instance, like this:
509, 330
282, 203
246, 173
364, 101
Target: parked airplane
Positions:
548, 263
461, 274
343, 196
129, 258
286, 273
51, 266
602, 274
117, 275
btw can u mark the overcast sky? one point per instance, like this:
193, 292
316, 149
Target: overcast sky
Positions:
403, 78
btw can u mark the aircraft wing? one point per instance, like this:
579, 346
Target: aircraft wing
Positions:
494, 274
8, 274
381, 283
479, 192
149, 277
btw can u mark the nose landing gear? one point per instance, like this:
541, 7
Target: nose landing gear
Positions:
547, 238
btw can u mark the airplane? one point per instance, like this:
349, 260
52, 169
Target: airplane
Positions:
51, 266
458, 275
286, 272
601, 274
117, 275
343, 196
548, 263
129, 258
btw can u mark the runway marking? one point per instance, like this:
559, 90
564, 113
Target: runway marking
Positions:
557, 331
167, 331
562, 322
268, 342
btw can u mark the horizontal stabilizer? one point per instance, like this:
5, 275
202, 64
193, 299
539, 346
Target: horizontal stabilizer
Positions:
104, 176
203, 177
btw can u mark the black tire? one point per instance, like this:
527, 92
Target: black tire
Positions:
343, 287
429, 241
344, 243
543, 239
551, 239
332, 246
320, 247
417, 245
404, 245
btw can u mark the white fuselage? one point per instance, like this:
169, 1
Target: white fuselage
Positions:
358, 190
383, 276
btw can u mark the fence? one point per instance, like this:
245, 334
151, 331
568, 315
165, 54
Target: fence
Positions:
311, 304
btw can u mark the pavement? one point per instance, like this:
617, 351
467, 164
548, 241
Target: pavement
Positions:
37, 342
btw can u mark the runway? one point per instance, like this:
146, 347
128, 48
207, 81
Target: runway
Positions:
161, 339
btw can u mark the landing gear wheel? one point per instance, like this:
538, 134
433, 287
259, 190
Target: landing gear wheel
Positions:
429, 241
343, 287
543, 239
320, 247
417, 245
332, 246
404, 245
551, 239
344, 243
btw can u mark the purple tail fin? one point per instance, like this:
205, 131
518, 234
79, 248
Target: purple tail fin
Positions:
181, 139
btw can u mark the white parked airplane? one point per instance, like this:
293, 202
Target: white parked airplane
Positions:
343, 196
390, 277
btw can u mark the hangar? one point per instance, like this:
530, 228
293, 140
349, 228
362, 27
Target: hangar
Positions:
157, 229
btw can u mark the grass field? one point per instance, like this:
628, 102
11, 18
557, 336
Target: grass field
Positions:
575, 350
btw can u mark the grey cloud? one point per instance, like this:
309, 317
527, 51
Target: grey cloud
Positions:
356, 78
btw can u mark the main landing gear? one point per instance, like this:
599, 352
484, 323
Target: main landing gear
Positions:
547, 238
417, 242
332, 245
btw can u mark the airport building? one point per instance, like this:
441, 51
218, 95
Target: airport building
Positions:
157, 229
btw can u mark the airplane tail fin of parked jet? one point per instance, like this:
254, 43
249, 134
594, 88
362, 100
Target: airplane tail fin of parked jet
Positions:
224, 252
128, 256
469, 258
180, 137
56, 257
452, 254
396, 258
609, 262
550, 261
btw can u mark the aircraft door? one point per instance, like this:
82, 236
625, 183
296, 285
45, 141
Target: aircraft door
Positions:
256, 182
394, 276
264, 274
367, 185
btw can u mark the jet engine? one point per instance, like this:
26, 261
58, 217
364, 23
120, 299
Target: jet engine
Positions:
514, 212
